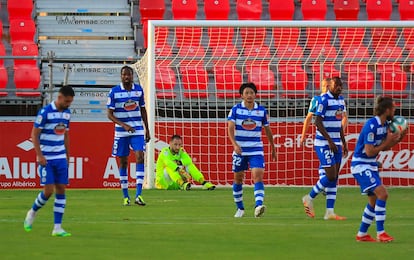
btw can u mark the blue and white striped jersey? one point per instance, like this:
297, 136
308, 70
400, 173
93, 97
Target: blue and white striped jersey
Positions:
249, 124
332, 110
54, 125
373, 132
127, 108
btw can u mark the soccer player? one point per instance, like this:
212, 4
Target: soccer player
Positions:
51, 142
126, 108
245, 123
374, 138
175, 168
312, 110
329, 145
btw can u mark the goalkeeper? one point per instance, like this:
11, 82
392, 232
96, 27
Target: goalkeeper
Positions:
175, 169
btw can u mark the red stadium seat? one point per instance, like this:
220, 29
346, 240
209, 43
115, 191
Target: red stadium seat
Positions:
27, 78
314, 9
294, 81
25, 49
264, 79
290, 54
162, 48
351, 37
354, 56
225, 55
379, 9
393, 80
188, 36
383, 36
220, 36
150, 10
323, 53
195, 81
285, 36
257, 52
251, 10
3, 81
227, 80
217, 9
409, 37
281, 9
318, 36
406, 8
20, 9
388, 53
360, 81
184, 9
165, 81
1, 29
22, 30
328, 71
346, 9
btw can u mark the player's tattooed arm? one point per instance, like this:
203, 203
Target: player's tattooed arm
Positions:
322, 130
231, 130
36, 143
269, 135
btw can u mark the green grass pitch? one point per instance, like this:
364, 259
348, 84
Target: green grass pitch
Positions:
200, 225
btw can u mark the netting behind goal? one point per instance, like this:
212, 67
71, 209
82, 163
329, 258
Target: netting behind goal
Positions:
192, 71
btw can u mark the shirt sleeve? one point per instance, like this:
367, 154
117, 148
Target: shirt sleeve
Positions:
40, 119
232, 114
142, 99
265, 121
312, 105
369, 132
321, 105
167, 161
110, 104
185, 158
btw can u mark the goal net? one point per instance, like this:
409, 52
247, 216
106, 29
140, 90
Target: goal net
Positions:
192, 70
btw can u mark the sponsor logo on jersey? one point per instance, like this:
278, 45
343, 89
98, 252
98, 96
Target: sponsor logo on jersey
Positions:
60, 129
248, 124
130, 105
339, 114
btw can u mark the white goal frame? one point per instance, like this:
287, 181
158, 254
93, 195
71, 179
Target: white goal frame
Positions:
149, 58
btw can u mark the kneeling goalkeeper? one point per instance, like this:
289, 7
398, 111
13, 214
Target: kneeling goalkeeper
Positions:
175, 169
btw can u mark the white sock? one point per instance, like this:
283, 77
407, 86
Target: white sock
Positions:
360, 234
330, 211
58, 227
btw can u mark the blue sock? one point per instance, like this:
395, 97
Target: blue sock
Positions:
238, 195
140, 178
259, 193
367, 218
59, 208
123, 178
380, 214
320, 186
39, 202
331, 195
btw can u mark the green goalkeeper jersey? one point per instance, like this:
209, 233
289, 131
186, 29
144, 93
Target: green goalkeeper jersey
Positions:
166, 159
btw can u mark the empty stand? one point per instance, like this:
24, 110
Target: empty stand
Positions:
3, 73
314, 9
393, 80
285, 36
20, 9
327, 71
227, 81
150, 10
264, 79
294, 81
82, 6
361, 81
406, 9
318, 36
22, 29
195, 81
290, 54
383, 36
346, 9
281, 9
25, 49
388, 53
379, 9
184, 9
220, 37
27, 78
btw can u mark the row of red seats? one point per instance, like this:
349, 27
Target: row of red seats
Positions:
22, 33
278, 10
360, 81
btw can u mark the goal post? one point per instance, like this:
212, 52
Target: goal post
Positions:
192, 69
